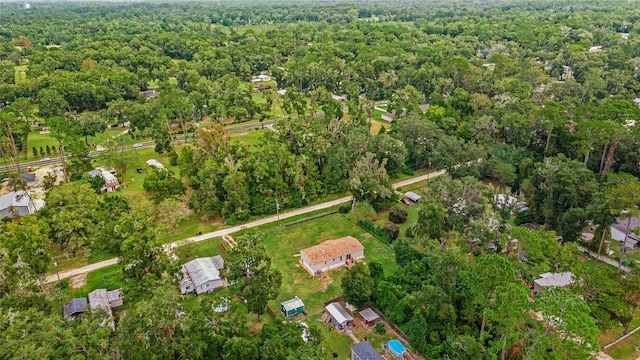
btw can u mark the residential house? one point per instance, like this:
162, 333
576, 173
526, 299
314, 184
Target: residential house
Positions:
292, 307
387, 116
338, 316
364, 351
261, 88
155, 163
562, 279
567, 73
202, 275
111, 183
74, 307
150, 94
595, 49
412, 196
16, 203
106, 300
619, 229
331, 254
282, 92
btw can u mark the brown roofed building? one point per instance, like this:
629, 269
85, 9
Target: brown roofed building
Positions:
331, 254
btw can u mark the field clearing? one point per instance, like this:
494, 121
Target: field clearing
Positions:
20, 73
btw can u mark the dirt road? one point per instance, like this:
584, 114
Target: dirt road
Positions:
270, 219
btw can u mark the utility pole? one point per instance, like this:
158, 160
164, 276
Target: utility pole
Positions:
55, 264
278, 211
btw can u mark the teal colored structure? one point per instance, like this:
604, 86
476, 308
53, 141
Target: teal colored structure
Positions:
292, 307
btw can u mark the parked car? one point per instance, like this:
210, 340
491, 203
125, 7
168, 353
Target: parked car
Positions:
137, 146
405, 201
139, 170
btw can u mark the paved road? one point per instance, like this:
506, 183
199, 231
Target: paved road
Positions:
605, 259
219, 233
147, 144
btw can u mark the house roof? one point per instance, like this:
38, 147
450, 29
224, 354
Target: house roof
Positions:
74, 306
555, 279
292, 303
369, 315
14, 199
114, 295
389, 115
28, 177
218, 261
94, 172
99, 299
365, 351
412, 196
201, 270
337, 312
332, 248
155, 163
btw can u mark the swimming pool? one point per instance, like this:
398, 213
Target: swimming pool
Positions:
396, 348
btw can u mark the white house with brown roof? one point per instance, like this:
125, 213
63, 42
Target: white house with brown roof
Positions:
331, 254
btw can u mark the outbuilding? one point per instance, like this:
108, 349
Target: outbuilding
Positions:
338, 316
292, 307
412, 196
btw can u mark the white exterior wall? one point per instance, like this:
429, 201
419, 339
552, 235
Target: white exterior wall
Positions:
209, 286
330, 263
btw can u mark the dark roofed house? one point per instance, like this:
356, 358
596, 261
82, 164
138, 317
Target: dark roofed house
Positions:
150, 94
364, 351
28, 177
74, 307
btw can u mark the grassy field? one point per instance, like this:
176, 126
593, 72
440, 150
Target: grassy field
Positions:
249, 138
376, 125
156, 84
624, 350
20, 73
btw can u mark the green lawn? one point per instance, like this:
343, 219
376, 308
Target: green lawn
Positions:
156, 84
20, 73
249, 138
624, 350
284, 244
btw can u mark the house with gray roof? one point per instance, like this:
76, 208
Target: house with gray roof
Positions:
549, 279
202, 275
338, 316
74, 307
364, 351
412, 196
16, 203
103, 299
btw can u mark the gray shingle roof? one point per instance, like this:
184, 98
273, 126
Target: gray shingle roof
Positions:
365, 351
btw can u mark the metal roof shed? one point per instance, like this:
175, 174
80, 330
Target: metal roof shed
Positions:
412, 196
292, 307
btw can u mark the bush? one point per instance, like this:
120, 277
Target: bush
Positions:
397, 215
409, 233
362, 212
523, 217
391, 230
344, 209
380, 329
377, 231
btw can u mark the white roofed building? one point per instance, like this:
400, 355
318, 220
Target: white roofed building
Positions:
16, 203
549, 279
202, 275
155, 163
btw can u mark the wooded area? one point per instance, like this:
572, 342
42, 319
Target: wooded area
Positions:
538, 100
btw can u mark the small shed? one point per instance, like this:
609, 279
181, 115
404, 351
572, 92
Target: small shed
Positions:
292, 307
412, 196
369, 316
338, 316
